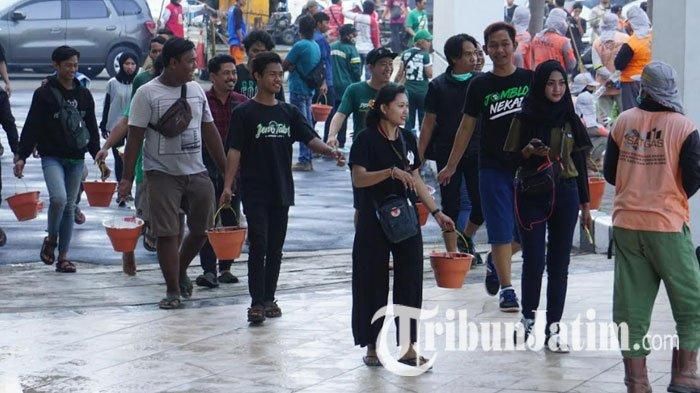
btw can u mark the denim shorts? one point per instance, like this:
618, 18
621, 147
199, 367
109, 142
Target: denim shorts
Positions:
497, 204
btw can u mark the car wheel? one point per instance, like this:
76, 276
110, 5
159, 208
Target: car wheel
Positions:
91, 72
112, 64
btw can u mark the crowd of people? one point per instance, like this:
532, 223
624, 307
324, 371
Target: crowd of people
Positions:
514, 142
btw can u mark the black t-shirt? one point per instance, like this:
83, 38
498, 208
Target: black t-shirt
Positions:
264, 135
445, 99
495, 100
247, 85
373, 151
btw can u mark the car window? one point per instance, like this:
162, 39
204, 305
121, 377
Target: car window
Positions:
87, 9
126, 7
41, 10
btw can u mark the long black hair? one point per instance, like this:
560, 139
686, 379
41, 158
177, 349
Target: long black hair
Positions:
122, 76
385, 96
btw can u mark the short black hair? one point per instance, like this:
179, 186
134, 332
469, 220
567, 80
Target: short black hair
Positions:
321, 17
260, 36
453, 46
307, 26
263, 59
215, 63
577, 6
499, 26
616, 9
159, 40
164, 30
559, 3
336, 1
158, 65
63, 53
368, 7
420, 1
174, 48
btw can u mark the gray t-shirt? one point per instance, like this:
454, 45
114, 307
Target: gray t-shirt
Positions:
180, 155
119, 95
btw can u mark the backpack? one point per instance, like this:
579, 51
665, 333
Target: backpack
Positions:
75, 131
316, 77
176, 119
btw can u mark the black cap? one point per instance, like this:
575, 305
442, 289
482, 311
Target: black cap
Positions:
379, 53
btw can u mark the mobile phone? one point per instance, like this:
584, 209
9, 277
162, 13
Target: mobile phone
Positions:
537, 144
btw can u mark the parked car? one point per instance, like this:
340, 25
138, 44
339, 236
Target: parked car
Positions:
100, 29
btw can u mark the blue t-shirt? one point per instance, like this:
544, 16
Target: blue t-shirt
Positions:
325, 47
235, 22
305, 55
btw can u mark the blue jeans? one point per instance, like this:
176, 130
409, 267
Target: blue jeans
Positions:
303, 103
560, 228
465, 207
63, 178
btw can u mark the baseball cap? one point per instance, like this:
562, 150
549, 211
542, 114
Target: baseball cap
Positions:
581, 81
423, 35
377, 54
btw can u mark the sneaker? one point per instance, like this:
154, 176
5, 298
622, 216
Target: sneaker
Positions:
509, 300
491, 282
303, 167
528, 325
227, 278
207, 280
555, 344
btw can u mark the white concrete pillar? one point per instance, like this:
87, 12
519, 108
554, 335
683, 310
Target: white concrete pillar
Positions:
452, 17
676, 29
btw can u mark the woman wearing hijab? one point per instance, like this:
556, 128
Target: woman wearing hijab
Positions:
117, 98
521, 22
605, 49
653, 160
552, 44
634, 56
548, 130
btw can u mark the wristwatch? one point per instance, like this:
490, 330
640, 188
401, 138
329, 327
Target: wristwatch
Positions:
434, 212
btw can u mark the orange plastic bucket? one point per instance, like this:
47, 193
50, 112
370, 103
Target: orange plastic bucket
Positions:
450, 268
596, 189
227, 242
123, 232
320, 111
99, 193
25, 205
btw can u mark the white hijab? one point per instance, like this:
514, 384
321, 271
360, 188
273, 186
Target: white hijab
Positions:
609, 26
556, 22
521, 19
639, 21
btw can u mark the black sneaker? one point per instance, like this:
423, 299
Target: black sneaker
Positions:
491, 281
227, 278
207, 280
509, 300
527, 325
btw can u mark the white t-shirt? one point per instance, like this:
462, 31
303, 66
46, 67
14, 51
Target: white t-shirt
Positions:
364, 31
119, 95
180, 155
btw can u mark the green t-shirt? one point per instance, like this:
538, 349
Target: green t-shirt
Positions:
356, 101
347, 65
141, 79
416, 20
415, 61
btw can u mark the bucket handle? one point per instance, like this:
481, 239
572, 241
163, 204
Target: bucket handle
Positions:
460, 234
325, 99
26, 189
218, 212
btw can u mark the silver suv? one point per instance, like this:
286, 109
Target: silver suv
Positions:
100, 29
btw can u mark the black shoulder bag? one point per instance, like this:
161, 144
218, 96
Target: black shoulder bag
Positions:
396, 214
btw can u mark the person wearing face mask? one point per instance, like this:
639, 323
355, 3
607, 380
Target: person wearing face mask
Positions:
548, 132
443, 112
385, 163
222, 100
117, 98
521, 22
552, 44
633, 56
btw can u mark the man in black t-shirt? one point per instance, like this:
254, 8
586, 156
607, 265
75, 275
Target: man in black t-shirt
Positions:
260, 141
7, 121
494, 98
256, 42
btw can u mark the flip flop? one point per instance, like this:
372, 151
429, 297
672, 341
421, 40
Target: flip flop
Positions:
65, 266
415, 362
170, 303
47, 253
371, 361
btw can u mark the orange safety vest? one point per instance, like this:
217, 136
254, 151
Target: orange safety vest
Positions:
642, 56
523, 48
607, 51
549, 46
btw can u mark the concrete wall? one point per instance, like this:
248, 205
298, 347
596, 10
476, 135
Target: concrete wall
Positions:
676, 28
452, 17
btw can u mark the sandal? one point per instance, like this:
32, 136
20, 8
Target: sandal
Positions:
64, 266
79, 217
48, 248
186, 287
415, 361
170, 303
256, 314
272, 310
3, 238
371, 361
